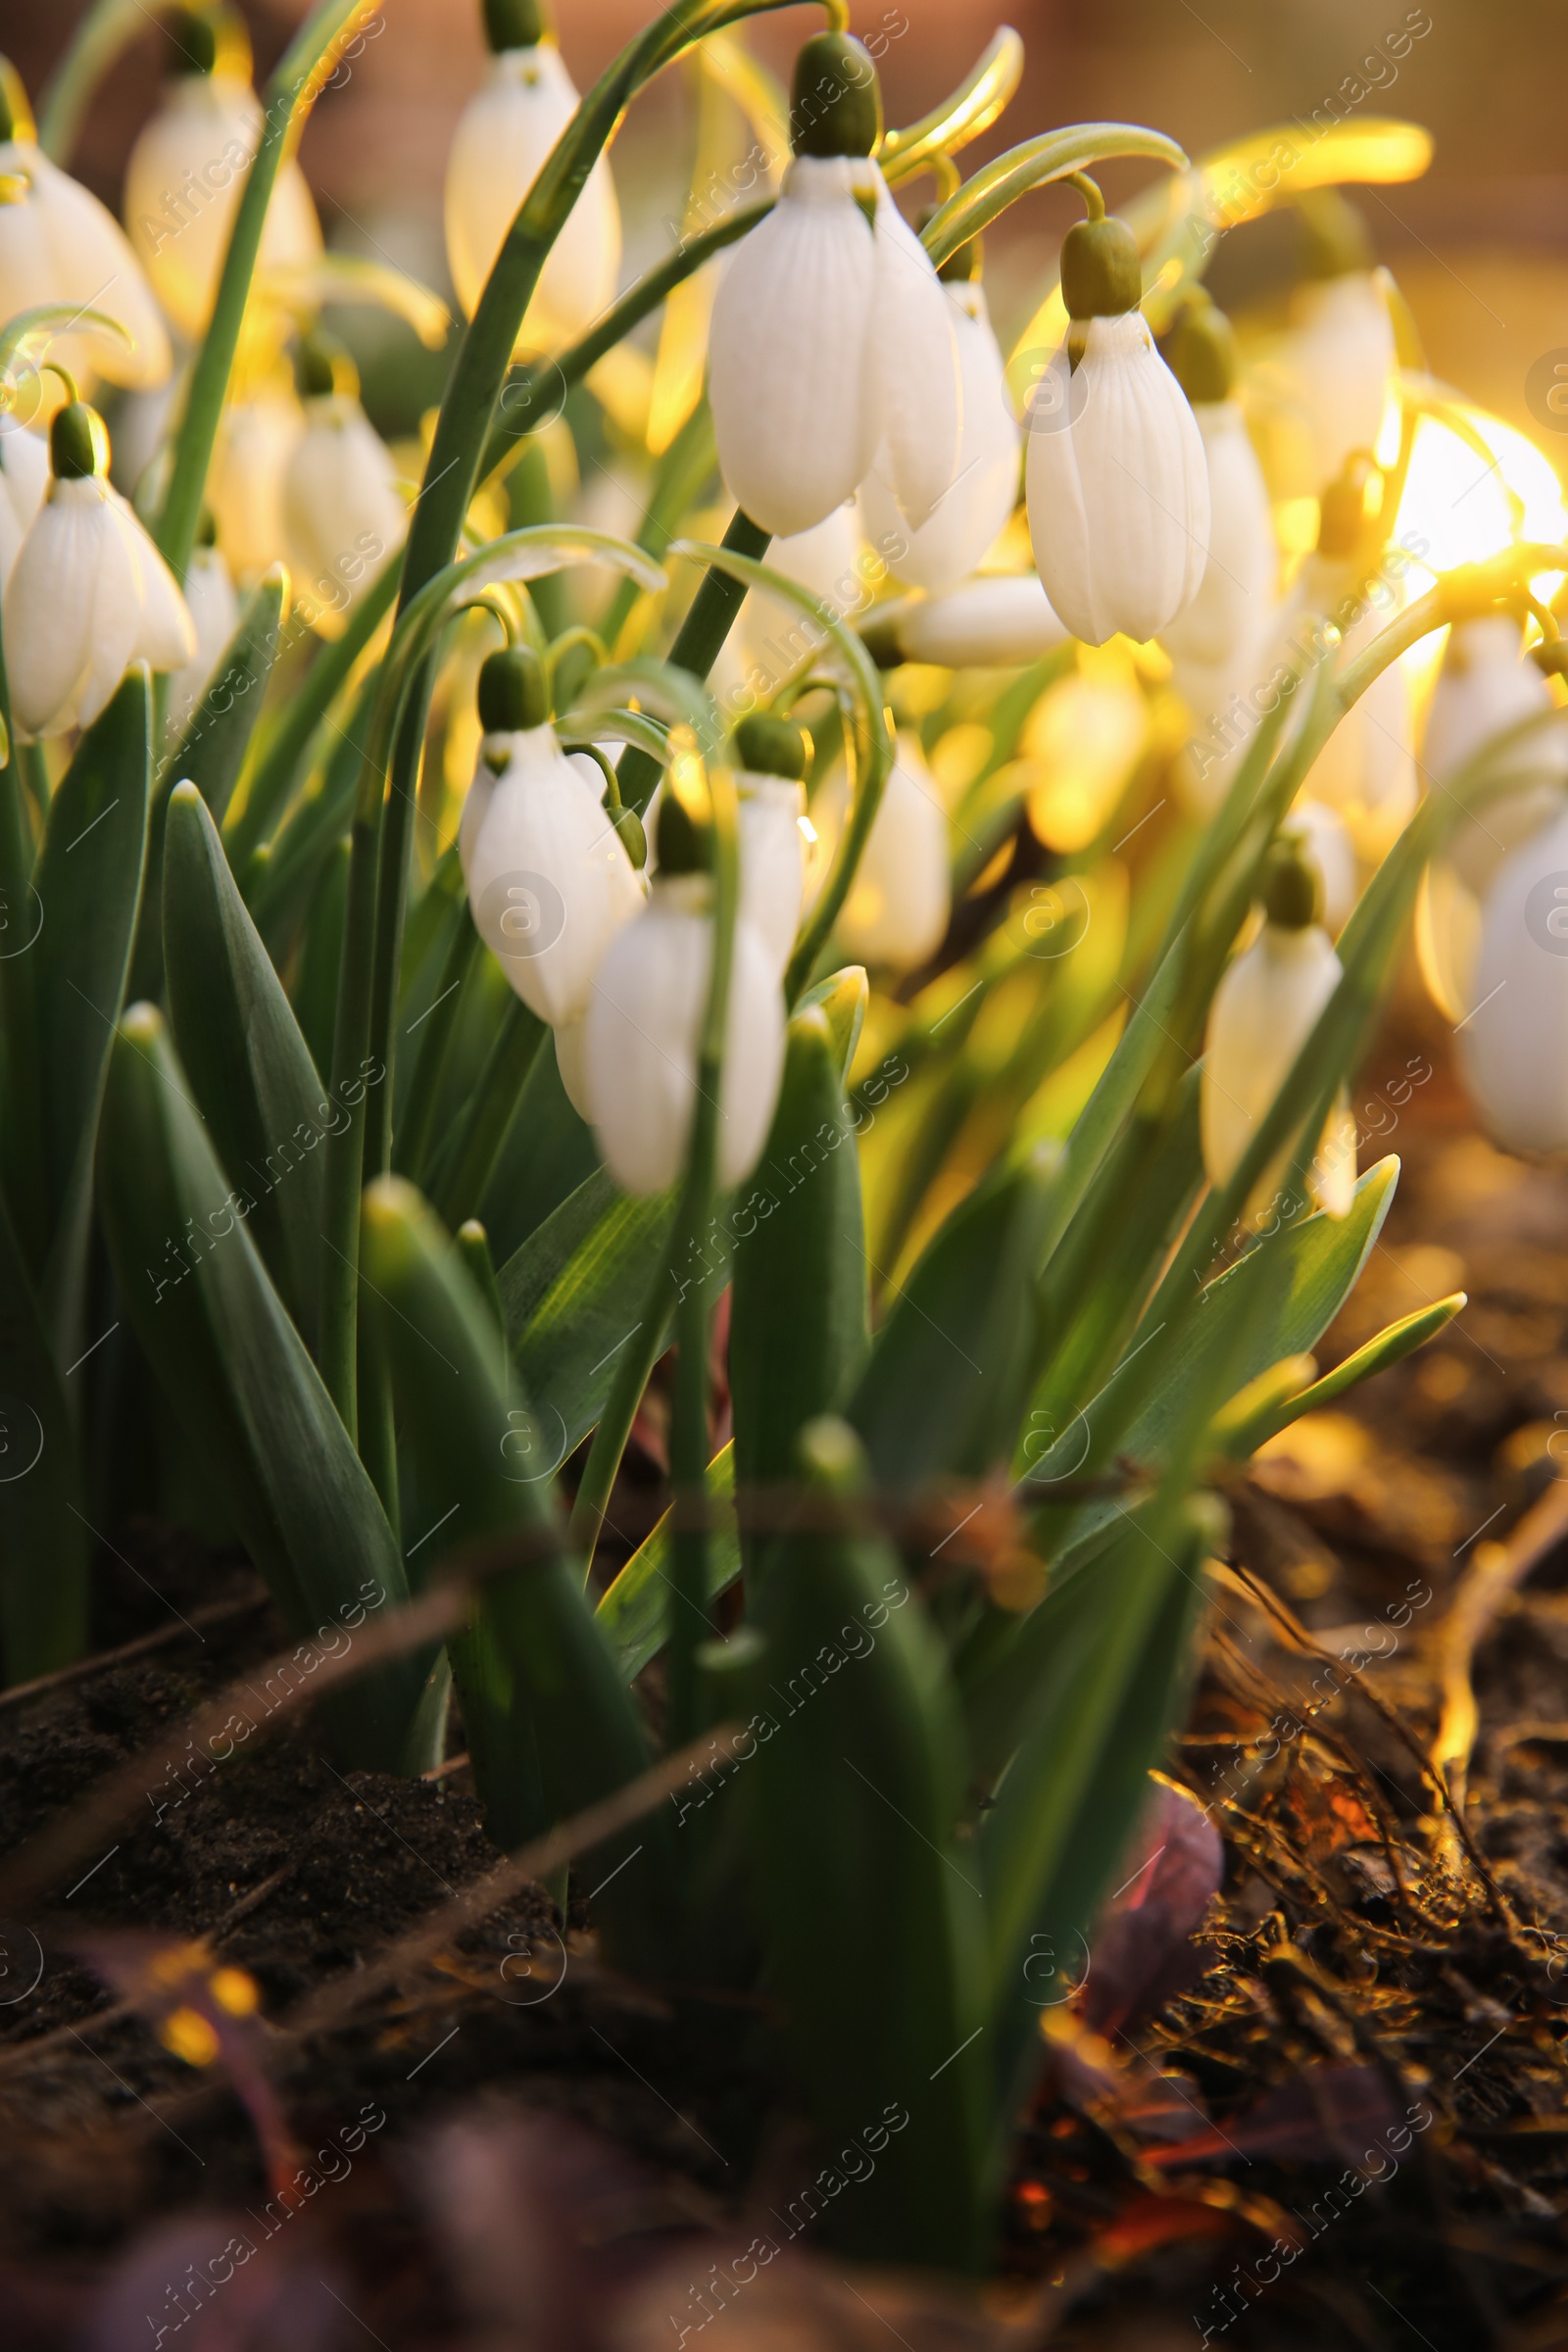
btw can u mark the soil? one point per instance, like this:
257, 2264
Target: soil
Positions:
562, 2159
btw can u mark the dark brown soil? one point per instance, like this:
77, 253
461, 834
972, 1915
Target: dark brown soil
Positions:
1187, 2180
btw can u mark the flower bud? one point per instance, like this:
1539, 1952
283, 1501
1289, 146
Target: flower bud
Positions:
342, 510
640, 1039
770, 747
897, 911
1201, 353
79, 445
514, 25
514, 692
214, 609
1237, 592
771, 754
1102, 275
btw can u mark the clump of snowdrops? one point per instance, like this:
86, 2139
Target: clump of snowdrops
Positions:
455, 954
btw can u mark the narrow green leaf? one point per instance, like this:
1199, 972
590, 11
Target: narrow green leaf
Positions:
1001, 182
249, 1068
1391, 1345
634, 1613
43, 1554
238, 1374
536, 1674
211, 749
88, 881
947, 1380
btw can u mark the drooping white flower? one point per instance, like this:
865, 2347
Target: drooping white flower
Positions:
1338, 366
88, 593
184, 178
997, 620
831, 333
896, 914
1484, 687
342, 512
772, 756
257, 437
1327, 847
58, 244
1513, 1047
549, 881
24, 483
503, 138
1116, 477
974, 509
1264, 1009
640, 1041
1366, 770
214, 609
1236, 591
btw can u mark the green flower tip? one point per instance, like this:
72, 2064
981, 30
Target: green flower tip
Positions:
830, 1455
770, 747
684, 846
514, 25
192, 40
965, 264
836, 98
141, 1025
16, 115
514, 692
1293, 890
78, 445
1335, 240
322, 367
1201, 352
1102, 275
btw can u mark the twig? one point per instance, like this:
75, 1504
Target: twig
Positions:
214, 1614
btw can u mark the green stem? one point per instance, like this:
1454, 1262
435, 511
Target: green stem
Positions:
105, 31
273, 777
490, 1111
633, 1371
684, 470
696, 645
397, 826
307, 66
425, 1087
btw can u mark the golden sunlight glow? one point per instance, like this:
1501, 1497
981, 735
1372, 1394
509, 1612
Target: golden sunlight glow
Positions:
1458, 508
1086, 733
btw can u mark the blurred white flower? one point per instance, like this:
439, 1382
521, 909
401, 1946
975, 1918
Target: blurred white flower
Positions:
88, 593
1366, 770
1264, 1009
1513, 1047
895, 915
503, 137
214, 609
775, 635
24, 482
58, 244
1237, 592
970, 513
183, 183
997, 620
1117, 485
832, 336
1339, 362
640, 1041
1328, 849
1485, 686
342, 510
257, 437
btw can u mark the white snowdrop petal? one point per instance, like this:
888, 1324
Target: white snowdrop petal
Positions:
1117, 487
789, 373
116, 612
976, 504
548, 879
1264, 1009
1000, 619
1328, 847
1236, 590
1339, 361
342, 512
1513, 1049
503, 138
48, 608
24, 483
774, 635
257, 437
772, 862
91, 261
571, 1061
897, 911
166, 634
214, 609
914, 359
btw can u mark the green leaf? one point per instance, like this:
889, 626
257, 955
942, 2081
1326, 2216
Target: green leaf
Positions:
1001, 182
798, 1329
536, 1674
250, 1069
1391, 1345
634, 1612
236, 1371
947, 1378
574, 1296
854, 1782
547, 1152
843, 996
43, 1556
88, 881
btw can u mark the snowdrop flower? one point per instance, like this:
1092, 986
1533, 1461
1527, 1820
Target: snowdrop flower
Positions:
641, 1036
88, 594
1513, 1049
342, 512
23, 481
1484, 687
969, 516
770, 759
1236, 590
896, 914
1116, 479
775, 636
1367, 769
1325, 843
503, 138
831, 333
999, 621
257, 437
58, 244
187, 169
549, 881
1264, 1009
214, 609
1227, 701
1340, 357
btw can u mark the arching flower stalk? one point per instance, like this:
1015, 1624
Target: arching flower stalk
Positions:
831, 335
502, 140
88, 593
1116, 477
1264, 1009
